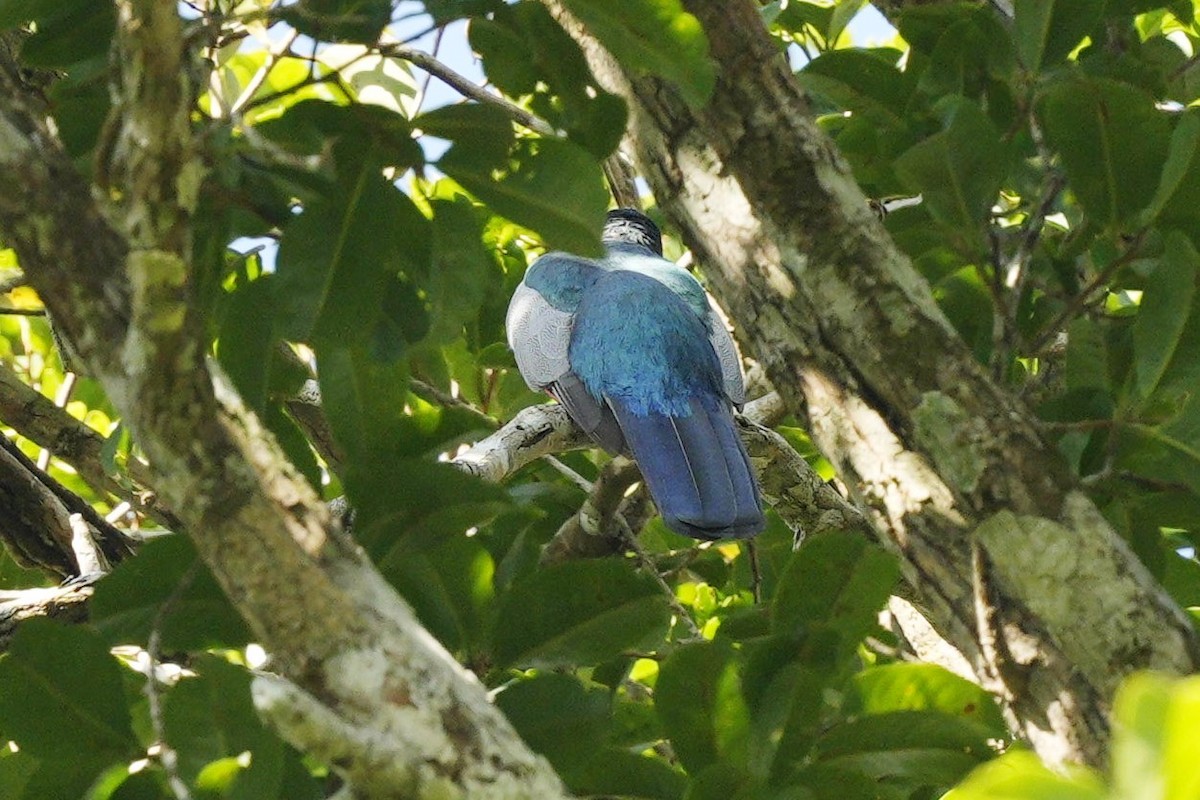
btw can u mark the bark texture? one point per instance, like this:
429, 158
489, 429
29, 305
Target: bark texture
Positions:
359, 676
1013, 564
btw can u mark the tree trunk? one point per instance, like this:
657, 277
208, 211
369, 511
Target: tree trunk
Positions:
1011, 561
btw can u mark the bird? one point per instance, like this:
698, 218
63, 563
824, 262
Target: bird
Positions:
631, 347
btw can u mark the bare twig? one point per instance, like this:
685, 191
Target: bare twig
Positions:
260, 77
467, 87
1085, 295
166, 754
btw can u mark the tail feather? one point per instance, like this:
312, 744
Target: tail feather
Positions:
696, 470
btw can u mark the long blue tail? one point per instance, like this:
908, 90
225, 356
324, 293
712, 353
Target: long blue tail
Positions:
696, 469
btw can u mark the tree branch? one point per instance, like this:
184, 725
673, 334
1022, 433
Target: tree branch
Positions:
929, 445
335, 629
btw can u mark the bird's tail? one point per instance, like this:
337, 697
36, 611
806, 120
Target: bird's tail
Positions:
696, 470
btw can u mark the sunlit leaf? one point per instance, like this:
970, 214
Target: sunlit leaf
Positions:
578, 613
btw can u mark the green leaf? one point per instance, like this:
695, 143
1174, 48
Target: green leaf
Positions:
247, 339
1087, 356
67, 32
655, 36
461, 270
128, 600
865, 82
482, 127
63, 694
1113, 143
363, 398
211, 722
450, 587
581, 612
1177, 199
1165, 308
924, 687
959, 170
699, 701
614, 772
1047, 30
340, 20
334, 260
554, 187
1021, 776
558, 717
837, 582
923, 748
1155, 743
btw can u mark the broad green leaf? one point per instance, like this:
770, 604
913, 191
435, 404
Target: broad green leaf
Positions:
359, 135
461, 270
655, 36
63, 695
450, 587
553, 187
128, 600
1154, 742
15, 772
843, 13
923, 748
335, 258
924, 687
293, 443
1047, 30
438, 501
211, 722
486, 129
1177, 200
1087, 356
581, 612
247, 339
1166, 306
558, 717
1019, 775
786, 691
375, 79
698, 699
837, 582
614, 772
363, 398
66, 33
865, 82
1113, 143
340, 20
959, 170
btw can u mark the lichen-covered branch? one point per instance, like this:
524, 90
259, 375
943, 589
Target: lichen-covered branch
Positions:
117, 280
849, 334
67, 603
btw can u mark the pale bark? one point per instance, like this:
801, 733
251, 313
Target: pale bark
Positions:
1012, 563
117, 281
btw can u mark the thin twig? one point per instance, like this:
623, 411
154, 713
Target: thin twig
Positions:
571, 475
23, 312
755, 572
647, 565
467, 87
166, 754
1083, 297
260, 77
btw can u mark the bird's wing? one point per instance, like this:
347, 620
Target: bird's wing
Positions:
727, 353
539, 336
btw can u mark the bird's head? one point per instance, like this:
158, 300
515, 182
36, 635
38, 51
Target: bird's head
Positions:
630, 226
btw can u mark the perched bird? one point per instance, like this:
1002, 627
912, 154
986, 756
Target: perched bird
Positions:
630, 346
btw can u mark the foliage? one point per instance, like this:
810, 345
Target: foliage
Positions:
1057, 161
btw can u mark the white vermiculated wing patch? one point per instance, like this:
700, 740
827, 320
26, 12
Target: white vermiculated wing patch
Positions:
727, 353
539, 336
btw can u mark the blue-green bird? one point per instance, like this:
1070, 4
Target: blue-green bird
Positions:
630, 346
